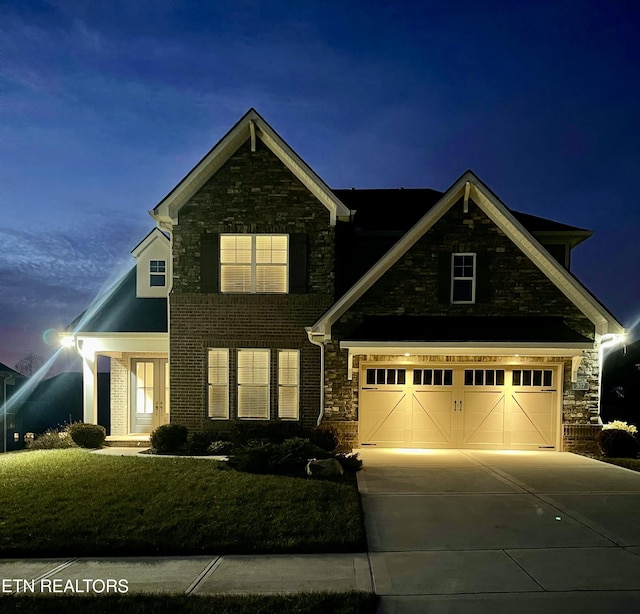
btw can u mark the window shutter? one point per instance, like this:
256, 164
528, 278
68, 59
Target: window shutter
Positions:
297, 264
209, 262
483, 278
444, 278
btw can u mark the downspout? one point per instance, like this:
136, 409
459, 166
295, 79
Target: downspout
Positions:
320, 344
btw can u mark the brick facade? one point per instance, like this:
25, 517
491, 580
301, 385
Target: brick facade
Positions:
253, 192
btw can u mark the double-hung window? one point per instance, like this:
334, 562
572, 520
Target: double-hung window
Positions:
218, 384
254, 263
288, 384
253, 384
157, 273
463, 278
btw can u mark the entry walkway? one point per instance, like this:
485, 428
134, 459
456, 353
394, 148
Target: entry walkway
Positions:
475, 531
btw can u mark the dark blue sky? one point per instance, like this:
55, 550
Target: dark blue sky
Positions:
106, 105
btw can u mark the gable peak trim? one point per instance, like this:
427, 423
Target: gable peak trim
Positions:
250, 126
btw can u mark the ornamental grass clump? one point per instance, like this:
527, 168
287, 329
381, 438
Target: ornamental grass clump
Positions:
52, 439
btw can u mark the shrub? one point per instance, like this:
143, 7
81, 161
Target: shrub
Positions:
52, 439
288, 457
325, 436
618, 443
199, 441
621, 426
274, 432
350, 462
169, 437
220, 448
87, 435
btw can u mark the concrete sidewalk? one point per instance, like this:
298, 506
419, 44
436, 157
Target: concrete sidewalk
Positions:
486, 532
198, 575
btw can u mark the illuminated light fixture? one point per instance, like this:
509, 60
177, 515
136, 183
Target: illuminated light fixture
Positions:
517, 355
407, 354
67, 341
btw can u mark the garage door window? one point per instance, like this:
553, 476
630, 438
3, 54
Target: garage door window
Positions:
484, 377
386, 376
433, 377
532, 377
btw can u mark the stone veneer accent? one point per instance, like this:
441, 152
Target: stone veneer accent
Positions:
253, 192
411, 287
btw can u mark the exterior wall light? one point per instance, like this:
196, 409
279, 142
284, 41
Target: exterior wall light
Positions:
67, 341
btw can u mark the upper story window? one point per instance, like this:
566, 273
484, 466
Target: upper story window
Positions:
157, 273
463, 278
254, 263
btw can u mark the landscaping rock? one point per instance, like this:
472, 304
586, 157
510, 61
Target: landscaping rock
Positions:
324, 468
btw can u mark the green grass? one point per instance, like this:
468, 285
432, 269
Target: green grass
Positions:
629, 463
73, 503
300, 603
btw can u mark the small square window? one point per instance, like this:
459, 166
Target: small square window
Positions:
157, 273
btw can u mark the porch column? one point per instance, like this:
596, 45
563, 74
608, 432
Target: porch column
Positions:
89, 389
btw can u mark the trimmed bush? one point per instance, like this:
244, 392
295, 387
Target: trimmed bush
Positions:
52, 439
325, 436
618, 443
274, 432
286, 458
87, 435
220, 448
169, 437
199, 441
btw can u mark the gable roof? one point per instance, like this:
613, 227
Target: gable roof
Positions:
499, 213
250, 126
122, 312
155, 235
7, 372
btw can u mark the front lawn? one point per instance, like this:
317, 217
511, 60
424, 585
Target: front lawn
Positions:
629, 463
74, 503
301, 603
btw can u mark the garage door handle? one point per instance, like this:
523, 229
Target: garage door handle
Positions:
553, 390
369, 388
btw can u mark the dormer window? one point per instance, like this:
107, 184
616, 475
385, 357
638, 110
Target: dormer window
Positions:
157, 273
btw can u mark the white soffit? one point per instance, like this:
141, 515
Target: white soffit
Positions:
604, 321
166, 212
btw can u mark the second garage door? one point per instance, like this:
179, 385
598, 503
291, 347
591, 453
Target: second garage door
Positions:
459, 407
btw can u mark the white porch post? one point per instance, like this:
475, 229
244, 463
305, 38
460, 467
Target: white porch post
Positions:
90, 389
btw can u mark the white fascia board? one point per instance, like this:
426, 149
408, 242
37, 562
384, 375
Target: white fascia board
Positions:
155, 235
604, 321
303, 172
91, 344
323, 325
166, 212
420, 348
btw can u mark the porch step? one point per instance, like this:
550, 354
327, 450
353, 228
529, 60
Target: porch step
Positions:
128, 441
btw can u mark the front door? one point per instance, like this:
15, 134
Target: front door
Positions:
150, 394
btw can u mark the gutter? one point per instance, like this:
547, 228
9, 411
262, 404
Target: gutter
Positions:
320, 344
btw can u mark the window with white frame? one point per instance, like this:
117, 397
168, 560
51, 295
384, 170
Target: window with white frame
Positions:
288, 384
157, 273
254, 263
463, 278
218, 384
253, 384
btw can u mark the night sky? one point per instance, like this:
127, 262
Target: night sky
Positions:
105, 106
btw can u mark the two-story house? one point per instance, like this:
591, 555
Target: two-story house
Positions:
409, 318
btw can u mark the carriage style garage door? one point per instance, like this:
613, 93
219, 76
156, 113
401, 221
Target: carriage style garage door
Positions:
502, 407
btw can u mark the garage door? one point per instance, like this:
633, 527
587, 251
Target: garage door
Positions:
460, 407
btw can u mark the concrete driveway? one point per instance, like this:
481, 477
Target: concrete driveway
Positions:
476, 531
